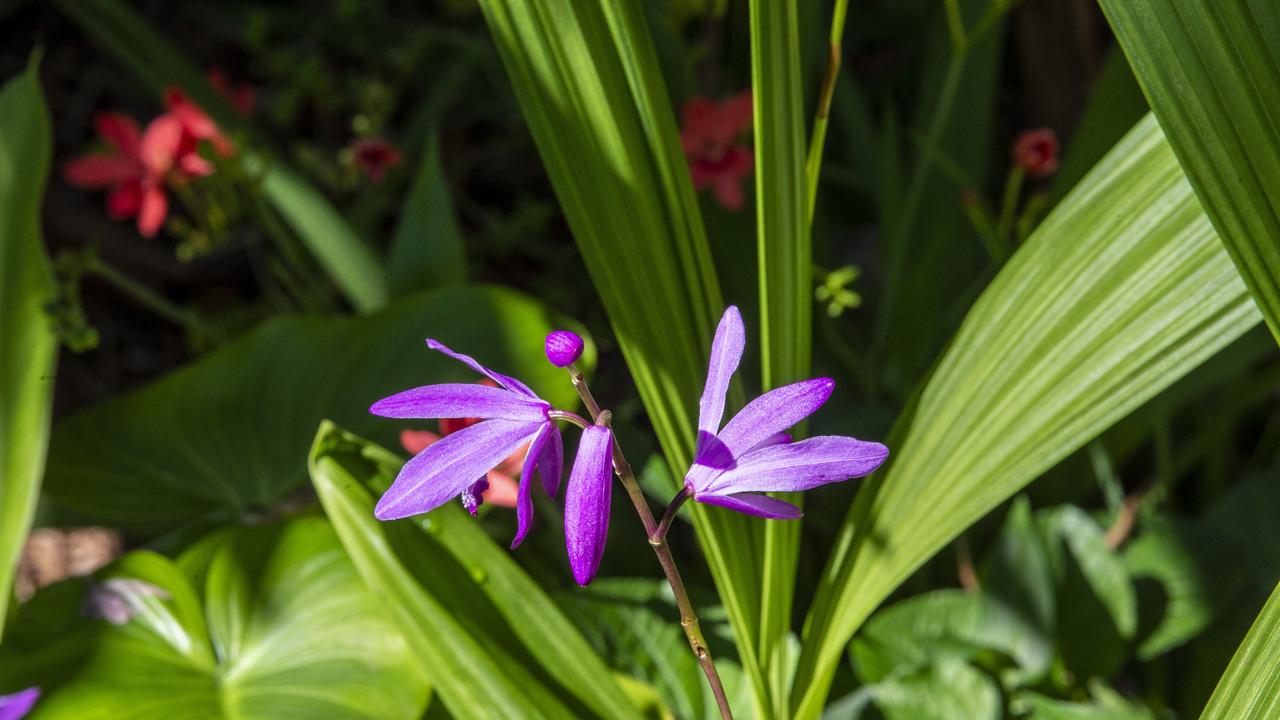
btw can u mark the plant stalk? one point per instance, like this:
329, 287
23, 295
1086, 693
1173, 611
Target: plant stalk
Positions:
153, 301
658, 540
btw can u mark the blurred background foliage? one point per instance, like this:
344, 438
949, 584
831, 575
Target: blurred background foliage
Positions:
393, 180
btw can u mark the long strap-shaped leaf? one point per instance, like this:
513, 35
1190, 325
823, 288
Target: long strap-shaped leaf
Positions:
1122, 290
29, 349
1250, 688
1211, 70
154, 60
588, 82
786, 269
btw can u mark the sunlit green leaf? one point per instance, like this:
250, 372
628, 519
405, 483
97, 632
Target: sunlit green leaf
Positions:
1211, 70
1107, 704
492, 643
271, 622
588, 83
1250, 688
226, 437
946, 690
1120, 292
29, 350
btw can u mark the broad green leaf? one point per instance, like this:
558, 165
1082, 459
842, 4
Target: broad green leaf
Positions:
1096, 607
158, 64
785, 265
1122, 290
587, 80
1107, 704
493, 644
1187, 576
1017, 569
947, 624
946, 690
1250, 688
427, 249
268, 622
29, 351
1211, 70
226, 437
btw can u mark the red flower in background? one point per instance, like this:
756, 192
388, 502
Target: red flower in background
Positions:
709, 135
375, 156
134, 174
240, 96
502, 487
1036, 152
142, 162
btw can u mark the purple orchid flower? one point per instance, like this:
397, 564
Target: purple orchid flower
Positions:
752, 453
511, 415
586, 503
17, 705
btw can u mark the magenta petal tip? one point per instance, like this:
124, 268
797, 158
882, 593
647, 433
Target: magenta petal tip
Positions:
564, 348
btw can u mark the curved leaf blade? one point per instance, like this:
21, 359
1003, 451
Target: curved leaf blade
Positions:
29, 352
1211, 70
1120, 292
1250, 688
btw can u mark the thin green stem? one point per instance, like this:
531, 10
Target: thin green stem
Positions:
153, 301
813, 162
688, 617
574, 418
673, 508
1009, 207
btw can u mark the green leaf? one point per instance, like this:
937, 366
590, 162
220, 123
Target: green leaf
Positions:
1250, 688
158, 64
947, 624
29, 352
1097, 611
479, 626
1107, 704
785, 254
1017, 569
1211, 70
226, 438
946, 690
589, 85
427, 249
269, 622
1120, 292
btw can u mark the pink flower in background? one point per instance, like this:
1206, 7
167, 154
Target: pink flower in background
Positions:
709, 137
141, 163
500, 481
135, 172
1036, 152
240, 96
197, 126
375, 156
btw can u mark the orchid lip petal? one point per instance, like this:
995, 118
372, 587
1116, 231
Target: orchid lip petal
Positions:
449, 466
551, 463
726, 353
586, 503
753, 504
461, 400
509, 383
800, 466
524, 494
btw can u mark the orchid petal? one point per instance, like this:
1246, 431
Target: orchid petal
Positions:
800, 466
754, 504
446, 468
774, 412
524, 496
551, 463
509, 383
586, 503
461, 400
726, 353
776, 439
17, 705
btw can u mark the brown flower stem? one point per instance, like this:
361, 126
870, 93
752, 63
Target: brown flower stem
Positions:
658, 540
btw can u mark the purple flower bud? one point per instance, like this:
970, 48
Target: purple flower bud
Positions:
563, 348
